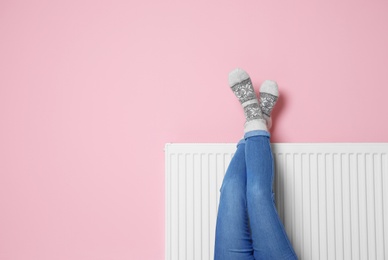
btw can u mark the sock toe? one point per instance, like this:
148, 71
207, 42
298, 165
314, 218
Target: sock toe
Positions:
270, 87
237, 75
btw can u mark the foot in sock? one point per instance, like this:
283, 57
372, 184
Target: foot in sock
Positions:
269, 94
241, 85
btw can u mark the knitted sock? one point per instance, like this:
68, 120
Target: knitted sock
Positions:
269, 94
241, 85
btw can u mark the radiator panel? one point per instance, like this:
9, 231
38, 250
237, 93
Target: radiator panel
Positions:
332, 198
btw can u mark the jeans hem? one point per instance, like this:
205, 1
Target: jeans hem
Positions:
257, 133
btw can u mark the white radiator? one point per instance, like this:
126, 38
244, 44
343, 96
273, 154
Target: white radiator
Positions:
332, 198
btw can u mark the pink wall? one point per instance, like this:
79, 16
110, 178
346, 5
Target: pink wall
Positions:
90, 91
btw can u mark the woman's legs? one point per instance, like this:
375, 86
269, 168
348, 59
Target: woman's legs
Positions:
248, 226
233, 238
268, 235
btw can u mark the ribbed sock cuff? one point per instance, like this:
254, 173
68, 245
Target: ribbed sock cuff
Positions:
255, 124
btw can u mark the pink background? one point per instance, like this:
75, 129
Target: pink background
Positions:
90, 92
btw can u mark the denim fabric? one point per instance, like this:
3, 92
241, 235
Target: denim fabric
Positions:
248, 225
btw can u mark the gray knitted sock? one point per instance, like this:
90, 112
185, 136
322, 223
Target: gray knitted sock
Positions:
241, 85
269, 94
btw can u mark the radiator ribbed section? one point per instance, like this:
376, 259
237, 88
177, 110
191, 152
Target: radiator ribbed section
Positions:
332, 198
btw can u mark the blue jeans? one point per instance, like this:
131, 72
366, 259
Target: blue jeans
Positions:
248, 225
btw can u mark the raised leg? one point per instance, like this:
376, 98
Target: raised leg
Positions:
269, 238
233, 238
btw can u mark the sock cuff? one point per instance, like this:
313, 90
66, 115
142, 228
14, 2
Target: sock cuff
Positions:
255, 124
